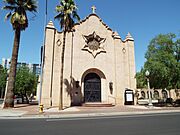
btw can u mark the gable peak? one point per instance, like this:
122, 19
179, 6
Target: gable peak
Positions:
129, 37
50, 25
115, 35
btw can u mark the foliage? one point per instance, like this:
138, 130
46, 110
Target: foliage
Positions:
141, 80
26, 81
163, 62
18, 13
3, 77
67, 12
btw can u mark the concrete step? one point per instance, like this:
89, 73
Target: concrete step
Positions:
97, 104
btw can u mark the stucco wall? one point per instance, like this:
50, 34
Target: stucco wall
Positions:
112, 65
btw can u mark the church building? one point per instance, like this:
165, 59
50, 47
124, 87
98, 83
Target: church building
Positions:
99, 66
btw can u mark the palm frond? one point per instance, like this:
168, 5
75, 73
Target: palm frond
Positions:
31, 5
63, 3
59, 16
59, 8
8, 15
9, 8
19, 21
62, 23
18, 16
10, 2
75, 15
67, 12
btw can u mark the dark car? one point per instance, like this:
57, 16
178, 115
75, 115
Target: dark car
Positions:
169, 101
176, 103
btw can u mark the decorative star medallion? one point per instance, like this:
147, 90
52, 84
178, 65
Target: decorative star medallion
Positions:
94, 44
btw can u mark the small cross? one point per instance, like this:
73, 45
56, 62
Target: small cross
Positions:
93, 9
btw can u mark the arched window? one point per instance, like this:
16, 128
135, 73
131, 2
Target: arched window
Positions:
143, 95
164, 94
156, 94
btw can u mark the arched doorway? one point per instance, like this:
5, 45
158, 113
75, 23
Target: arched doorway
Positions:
143, 95
156, 94
92, 88
164, 94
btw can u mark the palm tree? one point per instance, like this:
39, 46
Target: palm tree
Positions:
19, 21
67, 12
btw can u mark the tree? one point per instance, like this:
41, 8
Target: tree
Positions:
3, 78
67, 12
141, 80
163, 61
26, 82
19, 21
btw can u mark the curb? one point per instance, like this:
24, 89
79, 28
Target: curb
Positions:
87, 115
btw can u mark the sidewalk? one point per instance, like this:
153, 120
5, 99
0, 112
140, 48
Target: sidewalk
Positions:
32, 111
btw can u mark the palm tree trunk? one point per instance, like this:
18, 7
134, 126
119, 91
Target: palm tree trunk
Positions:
62, 70
9, 94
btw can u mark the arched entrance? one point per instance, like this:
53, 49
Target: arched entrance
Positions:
92, 88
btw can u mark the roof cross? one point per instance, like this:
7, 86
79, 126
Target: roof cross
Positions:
93, 9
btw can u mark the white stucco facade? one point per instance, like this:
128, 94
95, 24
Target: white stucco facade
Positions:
94, 54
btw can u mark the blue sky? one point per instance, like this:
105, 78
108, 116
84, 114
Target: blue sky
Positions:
144, 19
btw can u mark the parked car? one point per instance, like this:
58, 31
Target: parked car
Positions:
1, 101
169, 101
176, 103
18, 100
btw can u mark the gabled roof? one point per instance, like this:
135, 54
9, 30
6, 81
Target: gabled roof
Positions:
115, 35
82, 21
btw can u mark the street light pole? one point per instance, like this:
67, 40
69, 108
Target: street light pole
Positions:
149, 92
42, 55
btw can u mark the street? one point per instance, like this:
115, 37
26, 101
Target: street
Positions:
149, 124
